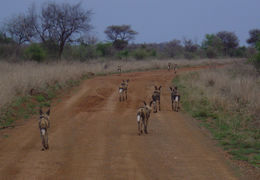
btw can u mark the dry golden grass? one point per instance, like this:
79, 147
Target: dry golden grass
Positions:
235, 87
20, 78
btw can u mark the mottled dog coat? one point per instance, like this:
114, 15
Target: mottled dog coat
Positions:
119, 69
156, 97
175, 68
143, 115
175, 98
44, 125
169, 66
123, 90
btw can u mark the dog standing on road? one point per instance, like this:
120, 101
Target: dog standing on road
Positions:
44, 125
143, 115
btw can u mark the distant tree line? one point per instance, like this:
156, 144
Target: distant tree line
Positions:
63, 30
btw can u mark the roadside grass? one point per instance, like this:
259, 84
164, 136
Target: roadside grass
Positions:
23, 107
47, 79
232, 129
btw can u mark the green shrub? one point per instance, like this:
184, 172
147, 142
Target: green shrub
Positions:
104, 49
240, 52
143, 53
190, 55
211, 52
140, 54
256, 58
122, 54
83, 52
7, 50
35, 52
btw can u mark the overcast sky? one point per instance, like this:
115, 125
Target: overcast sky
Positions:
162, 20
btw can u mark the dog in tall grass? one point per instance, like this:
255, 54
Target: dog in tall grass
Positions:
175, 98
156, 97
123, 90
44, 125
143, 115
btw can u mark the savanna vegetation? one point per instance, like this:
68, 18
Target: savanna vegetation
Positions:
46, 51
63, 31
226, 101
36, 84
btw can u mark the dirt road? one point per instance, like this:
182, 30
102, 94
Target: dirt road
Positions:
94, 136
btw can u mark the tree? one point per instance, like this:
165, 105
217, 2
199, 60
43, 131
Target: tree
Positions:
211, 40
212, 45
254, 37
88, 40
120, 35
189, 45
230, 41
4, 39
20, 28
256, 58
173, 48
55, 26
104, 49
62, 23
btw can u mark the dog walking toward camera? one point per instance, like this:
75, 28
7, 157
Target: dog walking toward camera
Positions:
44, 125
123, 90
119, 69
169, 66
143, 115
156, 97
175, 68
175, 98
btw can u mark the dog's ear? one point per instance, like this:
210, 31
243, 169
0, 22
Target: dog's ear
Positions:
171, 88
155, 87
48, 112
160, 87
40, 111
144, 103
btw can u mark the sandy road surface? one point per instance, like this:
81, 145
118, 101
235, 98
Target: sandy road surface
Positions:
94, 136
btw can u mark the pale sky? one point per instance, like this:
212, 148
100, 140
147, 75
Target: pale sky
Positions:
162, 20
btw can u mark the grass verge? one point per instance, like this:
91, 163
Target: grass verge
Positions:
228, 127
23, 107
48, 79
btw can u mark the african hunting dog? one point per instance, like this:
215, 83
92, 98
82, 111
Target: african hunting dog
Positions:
44, 125
123, 90
119, 69
169, 66
143, 115
156, 98
175, 98
175, 68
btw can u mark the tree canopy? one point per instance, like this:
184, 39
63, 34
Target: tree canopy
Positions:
230, 41
57, 24
120, 35
254, 37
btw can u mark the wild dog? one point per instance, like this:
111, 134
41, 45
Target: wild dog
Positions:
175, 68
143, 115
44, 125
119, 69
169, 66
175, 98
123, 90
156, 97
